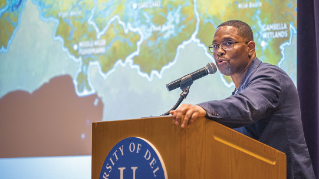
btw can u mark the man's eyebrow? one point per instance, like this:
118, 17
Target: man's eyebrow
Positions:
225, 39
228, 39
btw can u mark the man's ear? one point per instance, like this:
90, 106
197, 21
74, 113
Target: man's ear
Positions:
251, 48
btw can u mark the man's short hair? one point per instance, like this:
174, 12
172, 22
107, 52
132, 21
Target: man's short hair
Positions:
244, 29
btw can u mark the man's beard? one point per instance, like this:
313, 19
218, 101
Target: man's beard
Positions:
228, 71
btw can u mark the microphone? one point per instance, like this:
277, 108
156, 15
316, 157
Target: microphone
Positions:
210, 68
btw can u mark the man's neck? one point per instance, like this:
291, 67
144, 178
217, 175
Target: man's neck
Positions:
238, 77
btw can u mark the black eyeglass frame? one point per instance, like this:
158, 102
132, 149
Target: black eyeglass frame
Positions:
212, 49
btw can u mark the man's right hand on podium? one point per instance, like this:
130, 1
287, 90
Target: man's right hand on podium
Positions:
189, 112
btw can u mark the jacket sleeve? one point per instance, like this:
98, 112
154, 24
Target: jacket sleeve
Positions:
257, 97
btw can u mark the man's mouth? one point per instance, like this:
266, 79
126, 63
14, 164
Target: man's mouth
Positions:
220, 61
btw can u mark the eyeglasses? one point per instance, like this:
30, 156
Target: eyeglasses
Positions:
226, 45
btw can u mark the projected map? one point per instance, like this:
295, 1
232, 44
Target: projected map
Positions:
121, 53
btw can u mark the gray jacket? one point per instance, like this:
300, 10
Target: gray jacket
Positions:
266, 107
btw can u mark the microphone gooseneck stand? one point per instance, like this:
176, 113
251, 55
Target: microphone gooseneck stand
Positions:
185, 84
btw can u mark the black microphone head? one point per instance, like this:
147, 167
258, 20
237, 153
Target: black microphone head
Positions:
211, 68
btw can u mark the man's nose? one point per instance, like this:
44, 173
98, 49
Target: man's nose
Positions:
220, 51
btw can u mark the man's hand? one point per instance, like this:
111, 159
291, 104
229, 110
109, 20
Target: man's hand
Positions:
191, 112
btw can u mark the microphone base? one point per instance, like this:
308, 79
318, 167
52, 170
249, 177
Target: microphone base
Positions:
183, 96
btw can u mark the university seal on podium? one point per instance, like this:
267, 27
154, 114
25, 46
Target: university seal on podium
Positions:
133, 158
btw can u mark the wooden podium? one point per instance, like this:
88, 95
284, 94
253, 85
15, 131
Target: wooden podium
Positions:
206, 150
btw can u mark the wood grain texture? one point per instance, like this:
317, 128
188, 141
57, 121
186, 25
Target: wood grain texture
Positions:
206, 150
234, 155
161, 132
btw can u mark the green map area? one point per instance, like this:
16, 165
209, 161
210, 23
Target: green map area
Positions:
10, 13
148, 35
269, 32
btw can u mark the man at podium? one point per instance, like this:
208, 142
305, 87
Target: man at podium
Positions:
265, 104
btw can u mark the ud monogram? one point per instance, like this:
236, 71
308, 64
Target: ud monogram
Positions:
132, 158
123, 168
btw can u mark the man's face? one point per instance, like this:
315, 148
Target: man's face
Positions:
236, 60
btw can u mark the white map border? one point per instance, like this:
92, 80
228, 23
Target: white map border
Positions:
129, 59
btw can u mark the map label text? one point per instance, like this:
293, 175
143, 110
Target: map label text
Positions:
276, 30
249, 5
92, 47
149, 5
